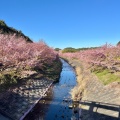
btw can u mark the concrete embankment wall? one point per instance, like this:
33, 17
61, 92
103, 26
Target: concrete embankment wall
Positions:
95, 97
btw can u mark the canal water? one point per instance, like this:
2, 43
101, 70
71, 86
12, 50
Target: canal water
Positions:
57, 105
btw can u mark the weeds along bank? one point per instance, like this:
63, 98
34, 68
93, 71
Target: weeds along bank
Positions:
83, 75
20, 59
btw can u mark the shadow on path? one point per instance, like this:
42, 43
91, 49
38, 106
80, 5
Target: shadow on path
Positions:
91, 110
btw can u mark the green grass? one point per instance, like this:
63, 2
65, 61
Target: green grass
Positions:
7, 80
106, 77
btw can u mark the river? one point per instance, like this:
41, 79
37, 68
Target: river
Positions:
57, 104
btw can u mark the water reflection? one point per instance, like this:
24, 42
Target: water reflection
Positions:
56, 105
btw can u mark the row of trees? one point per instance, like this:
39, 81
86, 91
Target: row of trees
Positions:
16, 52
72, 50
106, 54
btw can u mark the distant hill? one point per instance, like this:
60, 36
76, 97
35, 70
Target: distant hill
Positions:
72, 50
4, 29
118, 44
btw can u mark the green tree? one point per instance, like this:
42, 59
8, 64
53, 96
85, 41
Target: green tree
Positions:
57, 49
2, 23
69, 49
118, 44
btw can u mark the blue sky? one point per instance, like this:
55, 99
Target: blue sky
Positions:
65, 23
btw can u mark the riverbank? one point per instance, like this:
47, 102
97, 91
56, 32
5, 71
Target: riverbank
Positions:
57, 105
96, 100
17, 101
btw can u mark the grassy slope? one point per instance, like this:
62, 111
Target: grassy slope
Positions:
13, 78
106, 77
